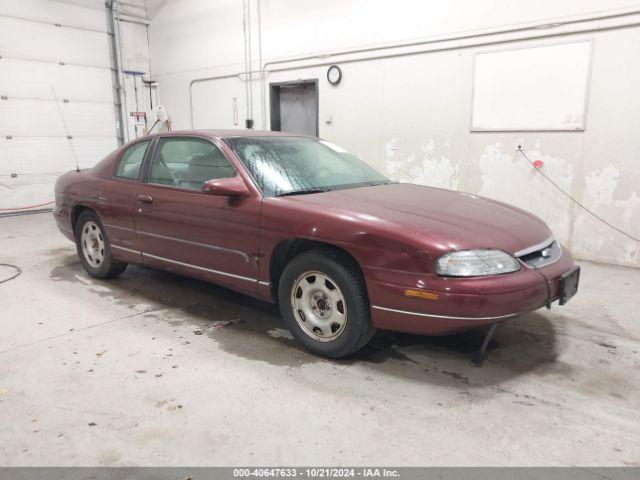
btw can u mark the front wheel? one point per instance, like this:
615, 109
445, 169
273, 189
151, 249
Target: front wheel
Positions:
324, 303
94, 249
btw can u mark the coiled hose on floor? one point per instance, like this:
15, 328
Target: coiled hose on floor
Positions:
17, 272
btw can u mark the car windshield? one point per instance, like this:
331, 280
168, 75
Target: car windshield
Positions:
299, 165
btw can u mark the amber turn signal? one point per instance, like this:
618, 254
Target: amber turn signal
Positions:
421, 294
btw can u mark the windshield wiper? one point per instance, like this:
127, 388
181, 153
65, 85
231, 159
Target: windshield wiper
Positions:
303, 192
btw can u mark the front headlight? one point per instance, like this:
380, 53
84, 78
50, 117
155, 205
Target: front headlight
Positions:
471, 263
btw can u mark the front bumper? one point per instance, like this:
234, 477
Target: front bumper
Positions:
456, 304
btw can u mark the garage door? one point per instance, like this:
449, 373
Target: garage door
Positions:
56, 95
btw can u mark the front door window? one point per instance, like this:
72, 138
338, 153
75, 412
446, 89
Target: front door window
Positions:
188, 163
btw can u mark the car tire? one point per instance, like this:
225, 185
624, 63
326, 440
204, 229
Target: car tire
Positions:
323, 301
94, 249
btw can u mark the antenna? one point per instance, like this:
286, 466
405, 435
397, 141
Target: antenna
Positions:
66, 130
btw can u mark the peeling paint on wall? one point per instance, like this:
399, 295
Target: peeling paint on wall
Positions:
510, 178
426, 167
592, 235
600, 186
503, 174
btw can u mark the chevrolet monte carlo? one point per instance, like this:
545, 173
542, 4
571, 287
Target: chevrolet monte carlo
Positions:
299, 221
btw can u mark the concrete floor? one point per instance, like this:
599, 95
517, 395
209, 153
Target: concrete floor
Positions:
138, 371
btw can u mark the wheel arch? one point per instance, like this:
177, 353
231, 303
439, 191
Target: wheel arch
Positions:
76, 211
287, 250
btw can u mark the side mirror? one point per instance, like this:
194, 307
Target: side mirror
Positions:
226, 187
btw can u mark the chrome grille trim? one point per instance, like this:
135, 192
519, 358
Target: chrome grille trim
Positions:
537, 259
533, 248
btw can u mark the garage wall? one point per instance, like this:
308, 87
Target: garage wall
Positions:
407, 109
51, 49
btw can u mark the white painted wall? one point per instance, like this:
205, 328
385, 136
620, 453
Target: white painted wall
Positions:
409, 115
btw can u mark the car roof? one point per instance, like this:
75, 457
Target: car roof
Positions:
228, 133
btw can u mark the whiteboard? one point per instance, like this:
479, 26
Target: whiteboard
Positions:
534, 88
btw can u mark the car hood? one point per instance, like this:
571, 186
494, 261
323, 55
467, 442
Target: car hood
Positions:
445, 219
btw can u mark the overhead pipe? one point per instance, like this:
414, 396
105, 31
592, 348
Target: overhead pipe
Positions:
123, 135
246, 58
547, 24
250, 120
262, 93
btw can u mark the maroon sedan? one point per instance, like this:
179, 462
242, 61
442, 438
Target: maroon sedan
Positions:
299, 221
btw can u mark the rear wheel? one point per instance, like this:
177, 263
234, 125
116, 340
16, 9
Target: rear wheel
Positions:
324, 303
94, 249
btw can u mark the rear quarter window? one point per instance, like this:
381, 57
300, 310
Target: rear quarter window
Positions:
131, 161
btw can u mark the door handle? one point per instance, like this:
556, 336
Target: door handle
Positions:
145, 199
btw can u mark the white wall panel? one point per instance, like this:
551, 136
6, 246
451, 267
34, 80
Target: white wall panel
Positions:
228, 95
91, 15
91, 150
22, 191
28, 40
133, 37
25, 79
89, 119
42, 118
133, 8
34, 148
30, 118
27, 156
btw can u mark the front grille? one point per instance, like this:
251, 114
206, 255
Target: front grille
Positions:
542, 255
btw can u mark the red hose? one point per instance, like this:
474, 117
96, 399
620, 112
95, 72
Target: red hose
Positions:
25, 208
